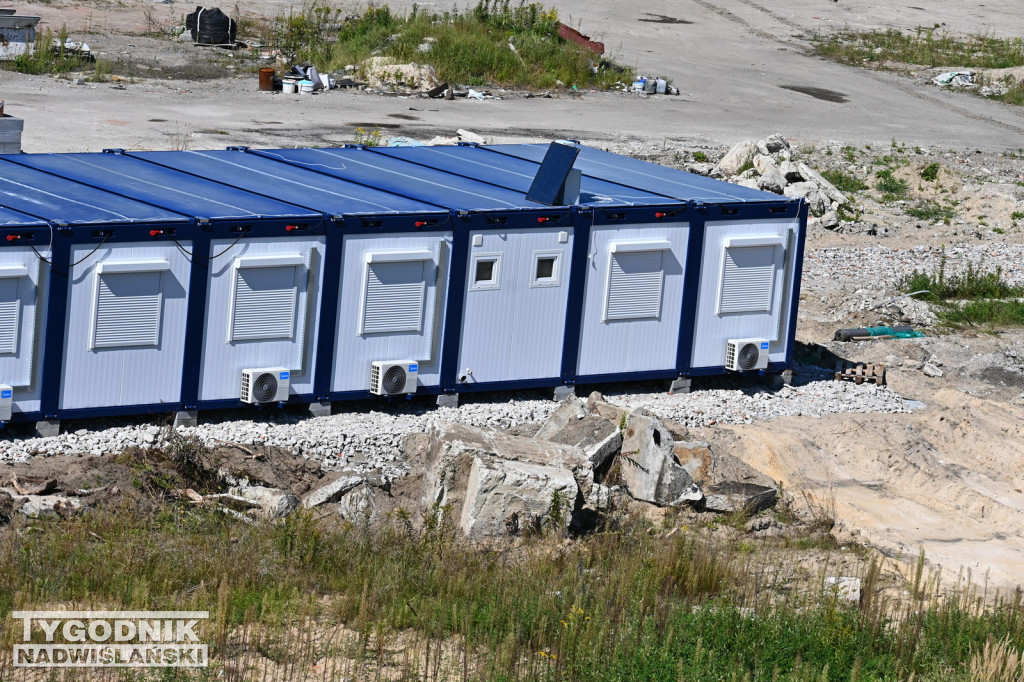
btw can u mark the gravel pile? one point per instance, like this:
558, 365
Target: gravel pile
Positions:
719, 406
368, 439
880, 266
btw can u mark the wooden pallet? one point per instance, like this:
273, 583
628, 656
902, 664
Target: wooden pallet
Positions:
860, 372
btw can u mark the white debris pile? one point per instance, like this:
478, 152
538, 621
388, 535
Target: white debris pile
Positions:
717, 406
371, 439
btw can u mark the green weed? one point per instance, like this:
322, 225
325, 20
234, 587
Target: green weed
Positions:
932, 211
930, 172
891, 187
844, 182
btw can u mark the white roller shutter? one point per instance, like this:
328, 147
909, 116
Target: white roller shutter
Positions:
266, 301
635, 282
127, 311
393, 297
748, 278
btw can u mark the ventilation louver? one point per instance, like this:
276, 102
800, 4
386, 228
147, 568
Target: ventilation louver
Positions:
393, 378
742, 355
265, 385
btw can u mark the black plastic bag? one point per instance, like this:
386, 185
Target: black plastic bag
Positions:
210, 26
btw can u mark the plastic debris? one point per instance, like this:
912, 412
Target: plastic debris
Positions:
400, 141
963, 79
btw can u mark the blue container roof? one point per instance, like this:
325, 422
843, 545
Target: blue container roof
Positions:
168, 189
262, 175
670, 182
306, 184
10, 218
405, 179
517, 173
67, 202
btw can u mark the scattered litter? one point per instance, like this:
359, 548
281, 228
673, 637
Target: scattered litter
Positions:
571, 34
474, 94
404, 142
868, 333
860, 372
439, 91
468, 136
963, 79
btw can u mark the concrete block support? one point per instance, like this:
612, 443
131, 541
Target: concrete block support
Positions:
448, 400
48, 428
320, 409
681, 385
186, 418
560, 393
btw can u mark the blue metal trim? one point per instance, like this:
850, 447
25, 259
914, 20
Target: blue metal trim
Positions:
627, 376
798, 273
195, 320
56, 323
328, 326
583, 221
455, 306
547, 382
117, 411
691, 288
753, 210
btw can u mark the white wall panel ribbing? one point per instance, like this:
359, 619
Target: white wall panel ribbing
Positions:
623, 261
110, 375
356, 348
23, 288
742, 296
514, 321
262, 310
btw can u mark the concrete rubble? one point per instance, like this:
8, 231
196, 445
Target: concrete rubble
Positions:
767, 165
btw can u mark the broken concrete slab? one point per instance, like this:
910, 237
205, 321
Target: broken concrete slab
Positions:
648, 467
273, 503
505, 497
35, 506
444, 455
601, 407
365, 504
824, 186
736, 158
729, 484
574, 424
336, 486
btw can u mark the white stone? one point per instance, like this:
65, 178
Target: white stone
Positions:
497, 489
736, 158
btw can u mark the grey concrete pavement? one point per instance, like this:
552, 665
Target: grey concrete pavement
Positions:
742, 68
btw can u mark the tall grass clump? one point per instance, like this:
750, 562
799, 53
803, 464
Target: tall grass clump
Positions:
925, 46
49, 56
494, 42
412, 600
973, 294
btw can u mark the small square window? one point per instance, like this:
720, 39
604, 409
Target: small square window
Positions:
545, 267
484, 271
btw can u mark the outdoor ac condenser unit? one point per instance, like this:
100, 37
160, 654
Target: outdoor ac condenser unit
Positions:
742, 355
6, 402
393, 377
265, 385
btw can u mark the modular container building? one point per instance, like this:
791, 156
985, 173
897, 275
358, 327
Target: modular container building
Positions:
140, 282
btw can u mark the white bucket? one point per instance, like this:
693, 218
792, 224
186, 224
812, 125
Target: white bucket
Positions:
305, 87
660, 86
288, 87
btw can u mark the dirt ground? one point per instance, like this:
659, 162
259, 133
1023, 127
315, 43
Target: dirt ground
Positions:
945, 478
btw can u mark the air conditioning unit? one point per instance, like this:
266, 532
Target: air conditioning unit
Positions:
265, 385
394, 377
6, 402
742, 355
